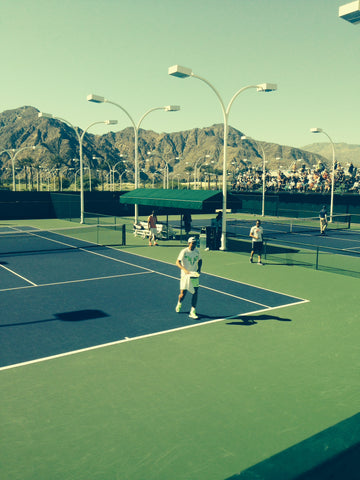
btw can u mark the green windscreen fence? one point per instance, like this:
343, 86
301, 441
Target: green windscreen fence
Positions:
66, 206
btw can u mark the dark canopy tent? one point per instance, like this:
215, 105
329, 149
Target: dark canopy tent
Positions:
179, 201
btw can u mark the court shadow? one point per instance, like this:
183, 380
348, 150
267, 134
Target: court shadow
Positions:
245, 320
75, 316
80, 315
3, 263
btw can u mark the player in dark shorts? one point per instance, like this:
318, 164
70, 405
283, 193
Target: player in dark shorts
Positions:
257, 234
323, 220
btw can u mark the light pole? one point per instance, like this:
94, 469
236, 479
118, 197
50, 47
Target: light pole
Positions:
206, 164
15, 152
89, 176
168, 108
166, 176
80, 139
120, 178
320, 130
112, 175
263, 172
106, 122
183, 72
196, 171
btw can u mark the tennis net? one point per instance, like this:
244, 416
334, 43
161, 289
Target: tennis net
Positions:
279, 225
27, 239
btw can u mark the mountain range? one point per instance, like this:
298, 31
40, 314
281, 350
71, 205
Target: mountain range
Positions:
57, 147
344, 153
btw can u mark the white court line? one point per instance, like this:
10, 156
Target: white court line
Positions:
220, 291
352, 249
95, 347
140, 337
20, 276
240, 282
71, 281
132, 274
147, 270
76, 281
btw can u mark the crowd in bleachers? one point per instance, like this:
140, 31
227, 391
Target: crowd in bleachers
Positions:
303, 179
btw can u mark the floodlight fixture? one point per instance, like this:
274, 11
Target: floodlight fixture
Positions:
266, 87
95, 98
316, 130
179, 71
172, 108
110, 122
350, 12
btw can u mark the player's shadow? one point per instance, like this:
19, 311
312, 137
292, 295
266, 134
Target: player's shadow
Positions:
75, 316
245, 320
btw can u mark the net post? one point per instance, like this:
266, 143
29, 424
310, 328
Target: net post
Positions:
123, 234
317, 259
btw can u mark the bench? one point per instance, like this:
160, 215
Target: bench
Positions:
141, 230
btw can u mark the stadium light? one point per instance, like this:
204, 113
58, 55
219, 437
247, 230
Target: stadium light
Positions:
80, 139
350, 12
168, 108
185, 72
13, 152
320, 130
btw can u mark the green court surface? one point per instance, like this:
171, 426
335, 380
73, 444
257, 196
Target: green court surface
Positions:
204, 403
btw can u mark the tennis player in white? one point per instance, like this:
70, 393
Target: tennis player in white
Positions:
189, 261
256, 233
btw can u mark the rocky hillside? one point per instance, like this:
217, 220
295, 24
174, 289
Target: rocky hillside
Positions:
57, 147
344, 153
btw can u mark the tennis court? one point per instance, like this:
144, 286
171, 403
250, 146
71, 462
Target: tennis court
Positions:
264, 370
108, 295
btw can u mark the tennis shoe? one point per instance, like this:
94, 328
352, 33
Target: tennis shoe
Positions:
259, 263
178, 308
192, 314
250, 260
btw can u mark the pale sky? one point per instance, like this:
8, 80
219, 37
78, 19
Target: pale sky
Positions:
54, 53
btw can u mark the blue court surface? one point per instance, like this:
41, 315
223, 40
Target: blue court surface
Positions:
60, 302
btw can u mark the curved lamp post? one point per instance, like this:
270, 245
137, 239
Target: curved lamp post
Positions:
168, 108
184, 72
14, 151
80, 139
320, 130
263, 171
